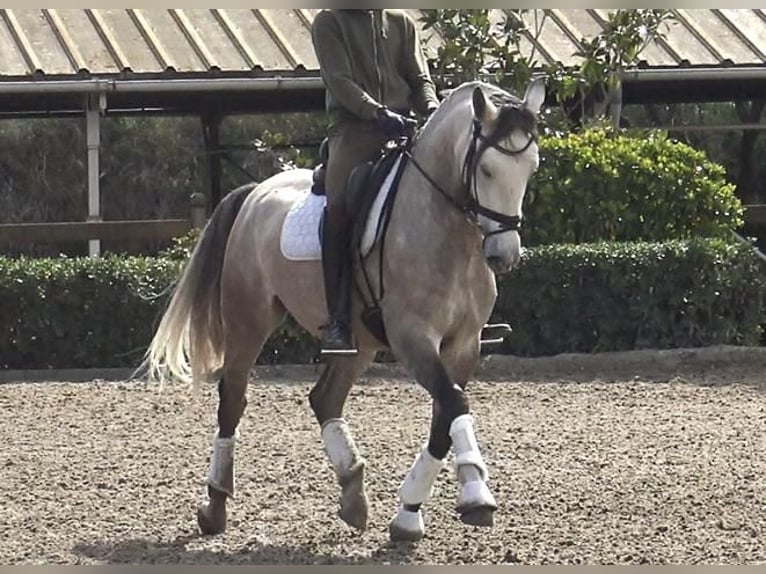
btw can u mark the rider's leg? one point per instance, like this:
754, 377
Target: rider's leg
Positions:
349, 145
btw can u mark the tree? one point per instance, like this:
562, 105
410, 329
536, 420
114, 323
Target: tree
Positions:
485, 43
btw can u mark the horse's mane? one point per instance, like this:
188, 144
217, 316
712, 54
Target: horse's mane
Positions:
511, 113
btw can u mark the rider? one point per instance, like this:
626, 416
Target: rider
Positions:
375, 74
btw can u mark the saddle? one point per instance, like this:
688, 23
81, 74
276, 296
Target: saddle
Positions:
364, 184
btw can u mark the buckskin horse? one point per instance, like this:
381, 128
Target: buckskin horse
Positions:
451, 224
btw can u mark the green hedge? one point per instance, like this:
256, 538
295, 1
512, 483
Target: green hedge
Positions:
611, 297
88, 312
604, 186
84, 312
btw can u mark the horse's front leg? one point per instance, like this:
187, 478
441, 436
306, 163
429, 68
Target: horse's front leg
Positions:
451, 427
476, 504
415, 490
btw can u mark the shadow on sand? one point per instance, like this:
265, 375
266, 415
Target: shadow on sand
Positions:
144, 551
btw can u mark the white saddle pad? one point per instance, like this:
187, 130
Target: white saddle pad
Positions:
300, 231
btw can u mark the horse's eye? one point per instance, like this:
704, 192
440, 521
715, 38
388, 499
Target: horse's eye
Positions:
485, 171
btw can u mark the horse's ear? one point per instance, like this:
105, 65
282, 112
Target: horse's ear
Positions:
535, 95
483, 109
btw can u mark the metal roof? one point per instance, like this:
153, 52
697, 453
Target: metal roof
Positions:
55, 43
229, 60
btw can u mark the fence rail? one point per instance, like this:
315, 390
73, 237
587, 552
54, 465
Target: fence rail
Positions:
73, 231
85, 231
161, 229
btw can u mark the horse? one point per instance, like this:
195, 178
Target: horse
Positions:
454, 226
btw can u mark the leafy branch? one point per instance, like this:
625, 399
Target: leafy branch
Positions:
485, 43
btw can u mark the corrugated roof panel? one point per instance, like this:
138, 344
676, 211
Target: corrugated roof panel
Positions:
532, 44
68, 44
80, 36
46, 46
105, 32
747, 30
292, 35
527, 45
166, 33
237, 39
270, 55
702, 35
161, 57
214, 36
722, 39
689, 46
18, 55
136, 52
658, 54
148, 41
558, 37
581, 23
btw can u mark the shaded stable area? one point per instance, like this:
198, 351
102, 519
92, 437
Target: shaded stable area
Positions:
211, 63
209, 99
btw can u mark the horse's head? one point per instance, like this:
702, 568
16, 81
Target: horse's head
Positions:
502, 155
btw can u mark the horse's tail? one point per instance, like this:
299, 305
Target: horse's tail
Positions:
188, 343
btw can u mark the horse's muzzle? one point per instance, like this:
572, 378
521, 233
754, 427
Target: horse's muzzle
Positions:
503, 252
498, 265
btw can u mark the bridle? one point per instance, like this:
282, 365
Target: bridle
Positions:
473, 207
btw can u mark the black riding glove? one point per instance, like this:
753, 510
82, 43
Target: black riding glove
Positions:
394, 124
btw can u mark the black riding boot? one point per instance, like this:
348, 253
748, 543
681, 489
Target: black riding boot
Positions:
336, 264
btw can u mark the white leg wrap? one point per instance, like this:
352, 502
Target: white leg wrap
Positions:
470, 466
465, 445
417, 486
339, 446
221, 473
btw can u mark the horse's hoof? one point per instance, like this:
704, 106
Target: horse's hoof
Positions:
353, 503
478, 516
353, 511
406, 526
397, 534
210, 522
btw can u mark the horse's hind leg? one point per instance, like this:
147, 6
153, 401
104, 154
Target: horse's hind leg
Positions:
451, 427
244, 341
327, 398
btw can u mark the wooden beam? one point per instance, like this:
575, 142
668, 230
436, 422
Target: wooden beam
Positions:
755, 214
62, 232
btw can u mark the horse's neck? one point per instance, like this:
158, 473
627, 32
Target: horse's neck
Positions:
426, 212
439, 155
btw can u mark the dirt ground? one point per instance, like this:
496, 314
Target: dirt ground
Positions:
624, 458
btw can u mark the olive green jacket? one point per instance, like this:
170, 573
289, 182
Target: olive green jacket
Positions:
369, 59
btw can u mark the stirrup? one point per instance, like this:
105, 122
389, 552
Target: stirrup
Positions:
341, 349
492, 334
348, 351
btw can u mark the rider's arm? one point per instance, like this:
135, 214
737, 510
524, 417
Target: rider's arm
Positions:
335, 68
418, 75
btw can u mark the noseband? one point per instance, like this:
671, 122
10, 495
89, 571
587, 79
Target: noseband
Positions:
473, 207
